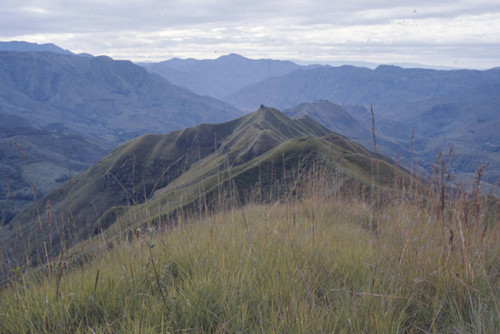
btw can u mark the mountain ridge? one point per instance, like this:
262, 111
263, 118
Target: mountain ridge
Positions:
444, 107
22, 46
163, 168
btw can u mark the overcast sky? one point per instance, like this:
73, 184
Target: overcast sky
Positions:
439, 32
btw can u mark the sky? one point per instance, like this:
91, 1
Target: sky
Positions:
463, 33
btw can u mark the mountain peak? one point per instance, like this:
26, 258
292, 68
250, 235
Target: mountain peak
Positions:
267, 114
267, 110
387, 67
22, 46
233, 55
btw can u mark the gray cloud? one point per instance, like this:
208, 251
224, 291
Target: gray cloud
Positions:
462, 33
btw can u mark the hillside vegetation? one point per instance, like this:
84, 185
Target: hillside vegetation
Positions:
324, 258
159, 175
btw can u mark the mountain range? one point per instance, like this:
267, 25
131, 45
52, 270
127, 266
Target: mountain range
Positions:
66, 112
444, 107
98, 96
132, 204
348, 120
154, 177
221, 77
22, 46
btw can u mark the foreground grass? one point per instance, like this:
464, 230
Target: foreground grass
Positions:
315, 265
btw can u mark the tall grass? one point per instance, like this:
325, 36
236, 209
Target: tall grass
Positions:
308, 261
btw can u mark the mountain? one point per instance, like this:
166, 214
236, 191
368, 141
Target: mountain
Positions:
386, 86
219, 77
98, 96
333, 116
445, 107
226, 75
154, 177
66, 112
22, 46
340, 119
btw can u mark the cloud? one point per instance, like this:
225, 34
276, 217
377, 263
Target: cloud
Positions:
381, 30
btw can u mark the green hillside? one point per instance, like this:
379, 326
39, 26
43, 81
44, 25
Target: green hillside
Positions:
261, 224
159, 175
324, 258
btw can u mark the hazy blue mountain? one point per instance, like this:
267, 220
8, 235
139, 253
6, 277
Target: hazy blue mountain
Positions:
98, 96
333, 116
343, 120
67, 111
371, 65
22, 46
390, 87
226, 75
445, 107
222, 76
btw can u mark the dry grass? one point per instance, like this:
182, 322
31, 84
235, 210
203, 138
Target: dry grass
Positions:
321, 259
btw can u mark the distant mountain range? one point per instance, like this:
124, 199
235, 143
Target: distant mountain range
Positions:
98, 96
226, 75
389, 87
67, 111
446, 107
219, 77
452, 107
152, 178
22, 46
348, 121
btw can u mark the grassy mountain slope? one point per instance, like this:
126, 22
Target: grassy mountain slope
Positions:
133, 171
310, 262
183, 168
